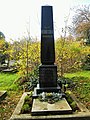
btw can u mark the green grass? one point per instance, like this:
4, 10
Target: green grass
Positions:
7, 81
82, 85
14, 92
85, 74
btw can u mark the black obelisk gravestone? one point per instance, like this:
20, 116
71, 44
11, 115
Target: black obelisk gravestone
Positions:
47, 71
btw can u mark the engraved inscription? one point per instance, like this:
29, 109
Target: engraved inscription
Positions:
47, 32
48, 76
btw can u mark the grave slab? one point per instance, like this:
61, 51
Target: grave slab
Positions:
83, 115
45, 108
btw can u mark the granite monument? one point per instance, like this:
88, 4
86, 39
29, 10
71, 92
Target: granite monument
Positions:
47, 69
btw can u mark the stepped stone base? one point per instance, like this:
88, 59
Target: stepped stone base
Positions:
39, 90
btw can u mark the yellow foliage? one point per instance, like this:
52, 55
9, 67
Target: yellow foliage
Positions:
26, 54
69, 54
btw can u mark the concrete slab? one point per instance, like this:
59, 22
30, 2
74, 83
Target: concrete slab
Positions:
44, 108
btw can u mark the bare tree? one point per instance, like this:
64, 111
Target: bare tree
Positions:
81, 22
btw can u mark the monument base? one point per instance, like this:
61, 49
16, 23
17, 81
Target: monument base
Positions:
39, 90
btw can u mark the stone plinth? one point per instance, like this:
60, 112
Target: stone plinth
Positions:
48, 76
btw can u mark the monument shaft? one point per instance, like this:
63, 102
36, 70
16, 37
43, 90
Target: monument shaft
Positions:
47, 36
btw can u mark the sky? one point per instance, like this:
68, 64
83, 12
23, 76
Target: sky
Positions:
19, 16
